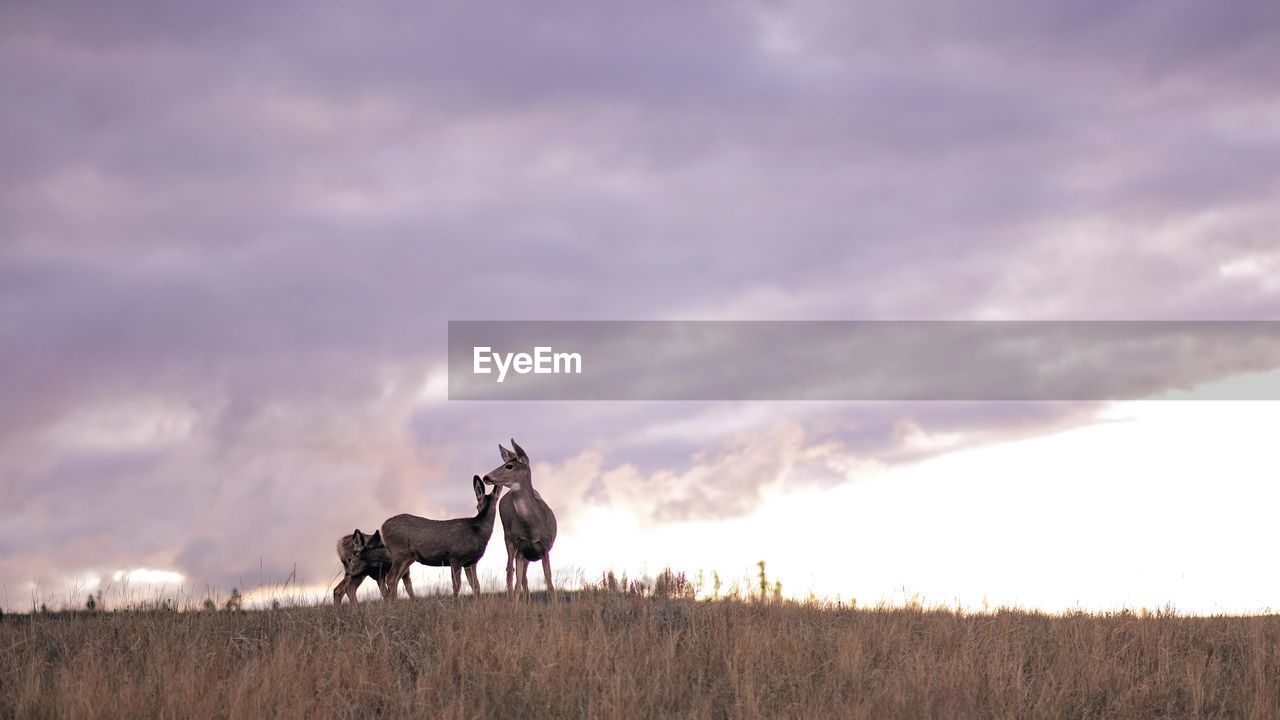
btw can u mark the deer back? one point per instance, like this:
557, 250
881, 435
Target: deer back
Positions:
435, 542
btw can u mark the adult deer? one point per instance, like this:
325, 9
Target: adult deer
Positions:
527, 520
458, 543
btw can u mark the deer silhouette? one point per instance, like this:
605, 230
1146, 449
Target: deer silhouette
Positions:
458, 543
362, 556
527, 520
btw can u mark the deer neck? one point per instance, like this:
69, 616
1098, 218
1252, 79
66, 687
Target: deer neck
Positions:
526, 493
484, 518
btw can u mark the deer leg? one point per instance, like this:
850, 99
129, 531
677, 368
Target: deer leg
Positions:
408, 586
341, 590
399, 568
393, 576
471, 578
353, 584
511, 554
546, 572
456, 571
522, 566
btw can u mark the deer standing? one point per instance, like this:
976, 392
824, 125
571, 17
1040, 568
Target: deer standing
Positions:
527, 520
458, 543
362, 556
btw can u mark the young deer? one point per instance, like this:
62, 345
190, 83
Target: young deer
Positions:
457, 543
362, 556
527, 520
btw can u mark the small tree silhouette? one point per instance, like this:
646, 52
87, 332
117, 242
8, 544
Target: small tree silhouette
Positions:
208, 605
764, 582
236, 601
90, 604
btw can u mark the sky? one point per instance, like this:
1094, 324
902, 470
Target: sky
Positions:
232, 234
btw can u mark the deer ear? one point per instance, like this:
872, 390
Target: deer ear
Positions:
376, 538
478, 485
358, 539
519, 451
507, 455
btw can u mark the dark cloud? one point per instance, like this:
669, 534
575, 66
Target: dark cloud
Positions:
231, 235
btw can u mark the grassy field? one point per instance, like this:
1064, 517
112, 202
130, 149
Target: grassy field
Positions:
603, 655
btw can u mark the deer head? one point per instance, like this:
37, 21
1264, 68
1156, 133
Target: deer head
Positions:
513, 472
477, 484
360, 542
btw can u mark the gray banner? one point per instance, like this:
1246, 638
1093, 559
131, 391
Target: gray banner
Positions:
862, 360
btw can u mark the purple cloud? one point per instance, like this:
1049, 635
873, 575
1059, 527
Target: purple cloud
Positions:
230, 236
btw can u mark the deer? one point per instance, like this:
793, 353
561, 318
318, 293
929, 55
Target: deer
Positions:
458, 543
527, 521
362, 556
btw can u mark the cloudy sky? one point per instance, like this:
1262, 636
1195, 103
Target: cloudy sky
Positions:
231, 237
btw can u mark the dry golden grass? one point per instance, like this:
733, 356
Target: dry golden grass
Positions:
611, 655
